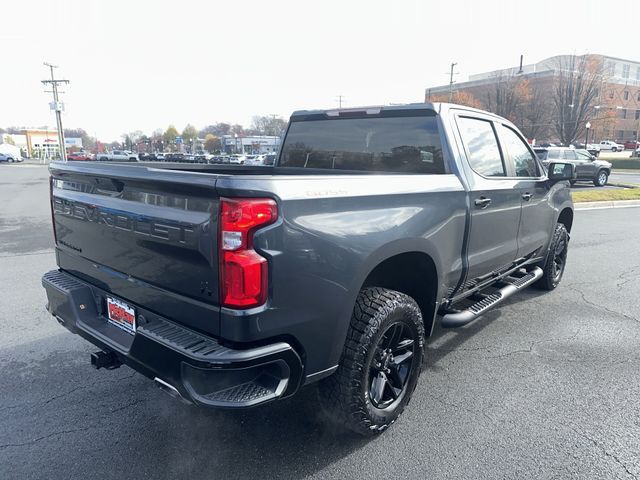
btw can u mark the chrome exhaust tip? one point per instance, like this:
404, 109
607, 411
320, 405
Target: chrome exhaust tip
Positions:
170, 390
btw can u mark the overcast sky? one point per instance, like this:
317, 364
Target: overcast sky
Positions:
142, 65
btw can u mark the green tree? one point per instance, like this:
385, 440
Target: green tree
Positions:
189, 133
211, 143
8, 140
189, 136
169, 137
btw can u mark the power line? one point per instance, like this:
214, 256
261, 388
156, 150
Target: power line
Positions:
57, 106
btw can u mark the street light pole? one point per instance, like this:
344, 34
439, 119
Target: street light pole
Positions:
586, 140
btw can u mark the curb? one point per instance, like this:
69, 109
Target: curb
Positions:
606, 204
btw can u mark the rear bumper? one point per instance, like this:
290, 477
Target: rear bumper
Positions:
195, 366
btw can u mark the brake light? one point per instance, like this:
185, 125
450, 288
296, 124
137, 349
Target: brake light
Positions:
244, 274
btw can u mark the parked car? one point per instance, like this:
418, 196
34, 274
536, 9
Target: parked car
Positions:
631, 145
147, 157
241, 287
611, 145
174, 157
117, 156
80, 156
590, 147
10, 158
588, 167
270, 159
635, 153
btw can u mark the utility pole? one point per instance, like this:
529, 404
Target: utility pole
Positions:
451, 82
57, 106
340, 97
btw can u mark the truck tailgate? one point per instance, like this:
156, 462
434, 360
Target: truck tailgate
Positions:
149, 236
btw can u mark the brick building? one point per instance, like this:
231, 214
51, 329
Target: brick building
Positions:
614, 112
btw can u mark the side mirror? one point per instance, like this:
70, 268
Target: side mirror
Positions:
559, 171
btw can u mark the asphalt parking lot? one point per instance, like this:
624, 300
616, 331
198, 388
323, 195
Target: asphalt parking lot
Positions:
625, 176
547, 386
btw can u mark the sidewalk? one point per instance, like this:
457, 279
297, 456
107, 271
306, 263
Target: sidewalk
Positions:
606, 204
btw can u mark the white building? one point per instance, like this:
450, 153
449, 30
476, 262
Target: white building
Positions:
250, 144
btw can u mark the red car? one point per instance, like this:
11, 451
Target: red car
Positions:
631, 145
83, 156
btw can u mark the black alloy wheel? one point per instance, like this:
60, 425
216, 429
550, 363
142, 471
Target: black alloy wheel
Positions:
559, 258
391, 366
556, 261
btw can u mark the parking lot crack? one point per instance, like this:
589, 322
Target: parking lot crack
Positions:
627, 276
602, 307
605, 451
61, 395
44, 437
532, 345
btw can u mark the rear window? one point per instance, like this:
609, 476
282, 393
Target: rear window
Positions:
385, 144
541, 154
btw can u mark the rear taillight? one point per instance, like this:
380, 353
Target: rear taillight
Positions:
244, 274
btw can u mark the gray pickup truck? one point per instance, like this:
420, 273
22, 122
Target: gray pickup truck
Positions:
232, 286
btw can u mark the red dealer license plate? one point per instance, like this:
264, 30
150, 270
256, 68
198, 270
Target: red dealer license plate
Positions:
121, 315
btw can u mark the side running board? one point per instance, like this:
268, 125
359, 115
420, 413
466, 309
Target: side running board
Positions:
458, 319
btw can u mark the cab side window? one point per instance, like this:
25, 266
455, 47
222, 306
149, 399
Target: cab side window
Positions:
569, 155
484, 153
524, 162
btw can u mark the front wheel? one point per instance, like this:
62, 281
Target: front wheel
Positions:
380, 363
601, 178
554, 266
614, 149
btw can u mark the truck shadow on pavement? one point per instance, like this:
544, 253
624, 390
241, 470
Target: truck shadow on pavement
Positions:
62, 417
443, 340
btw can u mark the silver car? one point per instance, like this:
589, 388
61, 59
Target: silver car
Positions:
9, 157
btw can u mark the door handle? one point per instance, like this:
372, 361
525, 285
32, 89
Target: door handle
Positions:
526, 196
482, 202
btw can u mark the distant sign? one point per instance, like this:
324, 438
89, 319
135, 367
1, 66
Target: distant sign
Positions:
178, 139
56, 106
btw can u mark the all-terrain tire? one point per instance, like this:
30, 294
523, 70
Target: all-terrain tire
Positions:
601, 178
556, 261
346, 395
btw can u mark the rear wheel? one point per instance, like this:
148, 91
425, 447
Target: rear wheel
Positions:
554, 266
380, 363
601, 178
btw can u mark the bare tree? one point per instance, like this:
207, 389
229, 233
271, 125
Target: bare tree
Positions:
460, 97
535, 119
508, 96
576, 83
268, 125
